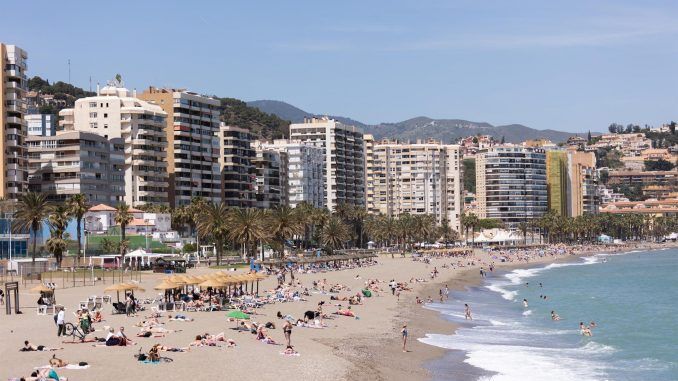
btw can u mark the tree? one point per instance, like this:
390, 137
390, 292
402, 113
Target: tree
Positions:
247, 226
334, 234
123, 217
58, 221
469, 172
108, 246
658, 165
503, 140
32, 210
77, 207
523, 228
283, 224
589, 138
214, 222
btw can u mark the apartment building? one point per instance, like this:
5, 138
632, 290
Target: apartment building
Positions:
271, 176
14, 165
583, 179
116, 112
417, 178
370, 171
511, 184
76, 162
41, 124
344, 171
557, 184
304, 172
238, 174
654, 184
191, 130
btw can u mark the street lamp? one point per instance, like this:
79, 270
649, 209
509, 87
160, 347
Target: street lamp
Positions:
146, 222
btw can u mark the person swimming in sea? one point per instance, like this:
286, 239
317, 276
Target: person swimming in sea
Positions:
525, 303
585, 331
554, 316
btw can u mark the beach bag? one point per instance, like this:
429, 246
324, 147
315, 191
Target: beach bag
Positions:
142, 357
367, 293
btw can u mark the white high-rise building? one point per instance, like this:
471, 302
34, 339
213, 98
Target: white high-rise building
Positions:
304, 172
116, 112
344, 158
418, 178
13, 87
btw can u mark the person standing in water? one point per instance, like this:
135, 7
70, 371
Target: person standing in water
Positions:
403, 332
467, 312
525, 303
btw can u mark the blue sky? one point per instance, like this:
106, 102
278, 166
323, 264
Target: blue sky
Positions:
567, 65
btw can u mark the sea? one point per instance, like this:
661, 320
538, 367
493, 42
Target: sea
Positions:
631, 297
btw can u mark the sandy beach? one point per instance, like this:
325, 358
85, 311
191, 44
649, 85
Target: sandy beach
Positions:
357, 349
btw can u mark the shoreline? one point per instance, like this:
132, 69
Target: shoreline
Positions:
439, 325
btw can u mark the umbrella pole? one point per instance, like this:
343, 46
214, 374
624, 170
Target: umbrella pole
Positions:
257, 287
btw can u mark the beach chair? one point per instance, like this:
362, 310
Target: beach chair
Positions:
42, 310
107, 299
83, 305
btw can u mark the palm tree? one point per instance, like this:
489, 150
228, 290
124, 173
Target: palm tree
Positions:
523, 227
32, 210
77, 207
473, 222
213, 221
247, 226
58, 221
304, 212
123, 217
283, 224
334, 233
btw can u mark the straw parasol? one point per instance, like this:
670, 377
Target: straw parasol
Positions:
213, 283
123, 287
41, 288
166, 286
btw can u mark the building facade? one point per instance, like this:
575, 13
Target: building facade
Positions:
419, 178
344, 171
14, 165
557, 181
511, 184
271, 176
304, 172
583, 179
238, 174
370, 171
192, 144
41, 124
76, 162
116, 112
653, 184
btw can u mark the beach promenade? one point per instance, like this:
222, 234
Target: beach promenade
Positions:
367, 347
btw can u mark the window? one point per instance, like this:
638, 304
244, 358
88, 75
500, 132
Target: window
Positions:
93, 125
92, 104
105, 115
105, 125
92, 114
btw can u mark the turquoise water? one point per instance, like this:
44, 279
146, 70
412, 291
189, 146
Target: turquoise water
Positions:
633, 298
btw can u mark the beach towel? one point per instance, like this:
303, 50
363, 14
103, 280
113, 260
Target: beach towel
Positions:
69, 366
290, 354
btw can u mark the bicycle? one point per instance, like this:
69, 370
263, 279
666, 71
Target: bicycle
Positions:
75, 331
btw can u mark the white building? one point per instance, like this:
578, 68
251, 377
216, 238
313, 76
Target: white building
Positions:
100, 218
419, 178
304, 173
344, 158
116, 112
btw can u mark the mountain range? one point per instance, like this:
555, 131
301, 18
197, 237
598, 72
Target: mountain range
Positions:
446, 130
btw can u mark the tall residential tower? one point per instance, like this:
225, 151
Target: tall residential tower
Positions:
192, 144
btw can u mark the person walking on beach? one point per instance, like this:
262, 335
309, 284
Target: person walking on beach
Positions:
287, 329
61, 324
467, 312
446, 292
403, 332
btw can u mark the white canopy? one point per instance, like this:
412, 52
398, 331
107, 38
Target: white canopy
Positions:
497, 236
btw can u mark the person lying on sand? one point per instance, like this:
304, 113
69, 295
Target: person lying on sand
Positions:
289, 351
58, 363
29, 347
179, 318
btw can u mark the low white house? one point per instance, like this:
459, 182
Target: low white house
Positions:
100, 218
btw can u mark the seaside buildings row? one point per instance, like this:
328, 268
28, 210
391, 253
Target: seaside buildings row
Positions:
166, 146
